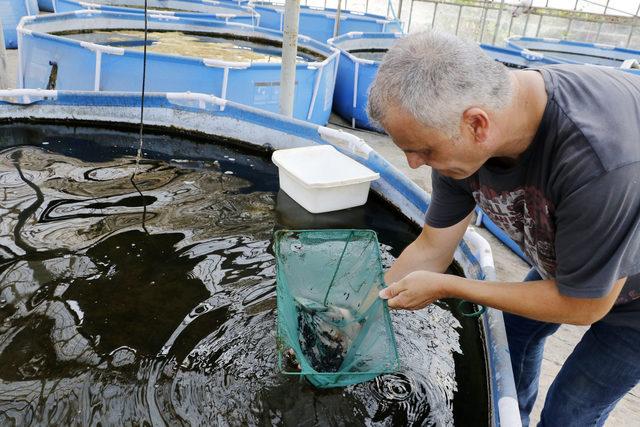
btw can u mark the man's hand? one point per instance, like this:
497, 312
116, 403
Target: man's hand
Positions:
539, 300
416, 290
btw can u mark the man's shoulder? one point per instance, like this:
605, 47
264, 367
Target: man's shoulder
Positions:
598, 107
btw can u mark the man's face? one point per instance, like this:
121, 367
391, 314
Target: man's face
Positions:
457, 158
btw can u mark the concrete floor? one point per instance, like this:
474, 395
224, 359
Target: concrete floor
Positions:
508, 268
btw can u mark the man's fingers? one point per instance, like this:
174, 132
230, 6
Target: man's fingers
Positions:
390, 291
395, 302
394, 295
386, 293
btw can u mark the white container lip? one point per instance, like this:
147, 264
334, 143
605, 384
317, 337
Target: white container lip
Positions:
322, 166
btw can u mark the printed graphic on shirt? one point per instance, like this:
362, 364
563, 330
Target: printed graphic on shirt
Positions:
526, 216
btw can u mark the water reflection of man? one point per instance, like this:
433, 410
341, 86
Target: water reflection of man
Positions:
552, 156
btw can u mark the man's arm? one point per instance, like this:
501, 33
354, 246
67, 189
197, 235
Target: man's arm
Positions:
538, 300
433, 251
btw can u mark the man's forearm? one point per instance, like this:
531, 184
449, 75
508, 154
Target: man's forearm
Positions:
432, 251
538, 300
416, 256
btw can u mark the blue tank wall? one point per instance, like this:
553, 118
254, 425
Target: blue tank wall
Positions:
11, 11
195, 9
319, 23
85, 66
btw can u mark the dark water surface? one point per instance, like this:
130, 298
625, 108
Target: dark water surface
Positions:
106, 320
599, 58
371, 54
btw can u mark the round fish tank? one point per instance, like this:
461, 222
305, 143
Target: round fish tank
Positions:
11, 11
515, 58
198, 9
102, 51
573, 52
360, 56
155, 303
320, 23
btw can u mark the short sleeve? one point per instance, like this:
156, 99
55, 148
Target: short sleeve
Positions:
598, 233
451, 201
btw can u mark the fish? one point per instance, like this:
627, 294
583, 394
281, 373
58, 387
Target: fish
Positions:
326, 333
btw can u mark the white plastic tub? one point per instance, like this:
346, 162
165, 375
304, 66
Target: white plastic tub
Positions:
321, 179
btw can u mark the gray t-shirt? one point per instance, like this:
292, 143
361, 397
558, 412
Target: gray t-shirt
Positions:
572, 201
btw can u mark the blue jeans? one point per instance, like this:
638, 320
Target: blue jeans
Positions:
602, 368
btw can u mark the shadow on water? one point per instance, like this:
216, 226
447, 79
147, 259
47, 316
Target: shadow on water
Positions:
102, 322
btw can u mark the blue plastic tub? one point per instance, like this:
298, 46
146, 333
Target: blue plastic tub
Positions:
573, 52
196, 9
356, 72
50, 61
11, 11
319, 23
208, 115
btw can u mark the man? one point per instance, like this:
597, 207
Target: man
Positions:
553, 157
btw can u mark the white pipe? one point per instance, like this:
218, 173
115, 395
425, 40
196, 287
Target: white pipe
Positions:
316, 86
99, 50
21, 32
508, 410
356, 73
225, 83
4, 72
289, 53
482, 250
96, 81
15, 93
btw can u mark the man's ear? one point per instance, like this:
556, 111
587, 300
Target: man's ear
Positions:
477, 122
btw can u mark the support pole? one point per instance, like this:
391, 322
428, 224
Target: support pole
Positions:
435, 13
458, 19
336, 23
568, 30
484, 22
289, 53
410, 16
4, 71
498, 22
633, 25
606, 7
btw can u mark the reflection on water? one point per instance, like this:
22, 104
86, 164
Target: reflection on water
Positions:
179, 43
104, 323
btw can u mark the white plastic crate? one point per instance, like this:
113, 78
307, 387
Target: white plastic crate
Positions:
321, 179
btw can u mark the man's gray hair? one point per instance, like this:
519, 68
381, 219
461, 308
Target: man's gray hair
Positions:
436, 77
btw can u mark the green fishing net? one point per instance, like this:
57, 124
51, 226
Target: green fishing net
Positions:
333, 329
